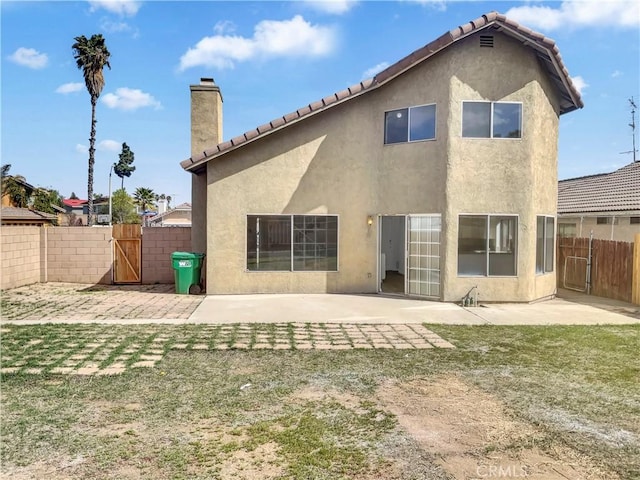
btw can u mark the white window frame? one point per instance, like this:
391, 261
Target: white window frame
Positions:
435, 126
491, 137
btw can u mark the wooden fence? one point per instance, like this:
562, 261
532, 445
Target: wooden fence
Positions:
606, 269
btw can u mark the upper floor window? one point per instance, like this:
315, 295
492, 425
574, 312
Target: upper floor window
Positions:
410, 124
491, 120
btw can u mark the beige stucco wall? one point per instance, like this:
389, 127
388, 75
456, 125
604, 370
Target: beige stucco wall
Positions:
622, 231
501, 176
335, 162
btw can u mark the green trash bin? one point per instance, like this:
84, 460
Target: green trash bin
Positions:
187, 267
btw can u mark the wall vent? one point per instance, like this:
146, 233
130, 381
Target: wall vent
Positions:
486, 41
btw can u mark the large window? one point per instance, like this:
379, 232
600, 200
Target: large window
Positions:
292, 243
487, 245
410, 124
491, 120
545, 238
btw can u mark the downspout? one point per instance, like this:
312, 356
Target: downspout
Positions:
613, 225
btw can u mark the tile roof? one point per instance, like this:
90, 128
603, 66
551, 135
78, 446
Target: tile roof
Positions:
74, 202
16, 213
183, 207
545, 48
607, 192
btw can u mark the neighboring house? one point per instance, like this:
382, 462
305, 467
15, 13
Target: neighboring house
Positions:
26, 217
77, 211
434, 178
607, 204
6, 200
179, 216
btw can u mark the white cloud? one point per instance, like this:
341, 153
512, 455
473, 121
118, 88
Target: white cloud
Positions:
440, 5
295, 37
70, 87
224, 26
579, 83
335, 7
81, 148
109, 146
369, 73
616, 74
593, 13
130, 99
117, 27
28, 57
121, 7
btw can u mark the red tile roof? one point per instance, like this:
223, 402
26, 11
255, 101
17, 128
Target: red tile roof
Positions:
606, 192
544, 47
76, 202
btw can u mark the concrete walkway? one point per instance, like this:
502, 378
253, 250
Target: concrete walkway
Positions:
143, 304
389, 310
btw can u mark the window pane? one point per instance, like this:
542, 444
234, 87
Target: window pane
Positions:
396, 126
476, 119
549, 244
472, 245
540, 245
316, 243
268, 242
423, 123
507, 120
502, 245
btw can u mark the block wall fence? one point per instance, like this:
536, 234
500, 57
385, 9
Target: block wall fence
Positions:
81, 254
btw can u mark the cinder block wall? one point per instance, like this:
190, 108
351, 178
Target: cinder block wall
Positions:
158, 243
21, 258
79, 255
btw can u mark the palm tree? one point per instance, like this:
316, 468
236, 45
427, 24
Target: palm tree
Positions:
144, 198
91, 56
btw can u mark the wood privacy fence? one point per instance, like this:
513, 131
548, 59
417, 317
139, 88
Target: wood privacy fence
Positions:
600, 267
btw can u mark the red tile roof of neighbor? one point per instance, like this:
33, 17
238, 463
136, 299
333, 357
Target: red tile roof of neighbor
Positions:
606, 192
75, 202
545, 48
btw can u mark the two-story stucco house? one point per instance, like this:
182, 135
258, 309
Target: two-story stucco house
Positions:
436, 176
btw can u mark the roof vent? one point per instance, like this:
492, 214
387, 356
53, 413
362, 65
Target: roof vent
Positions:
486, 41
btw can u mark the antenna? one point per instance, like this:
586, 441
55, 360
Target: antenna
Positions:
633, 129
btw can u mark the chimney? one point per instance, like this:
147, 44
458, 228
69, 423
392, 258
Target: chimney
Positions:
206, 116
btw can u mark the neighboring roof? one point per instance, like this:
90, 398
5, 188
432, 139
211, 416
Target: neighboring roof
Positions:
184, 207
545, 48
15, 213
606, 192
74, 202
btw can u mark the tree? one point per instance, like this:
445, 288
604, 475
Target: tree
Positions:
43, 199
122, 207
91, 56
73, 196
144, 198
16, 187
124, 168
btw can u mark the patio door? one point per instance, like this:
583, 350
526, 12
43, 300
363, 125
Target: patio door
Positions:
423, 255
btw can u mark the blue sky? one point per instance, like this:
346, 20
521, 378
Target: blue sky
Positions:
269, 58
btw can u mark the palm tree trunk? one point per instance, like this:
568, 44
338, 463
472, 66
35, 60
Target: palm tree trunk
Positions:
92, 161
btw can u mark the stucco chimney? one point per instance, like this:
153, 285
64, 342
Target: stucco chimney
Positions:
206, 133
206, 116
